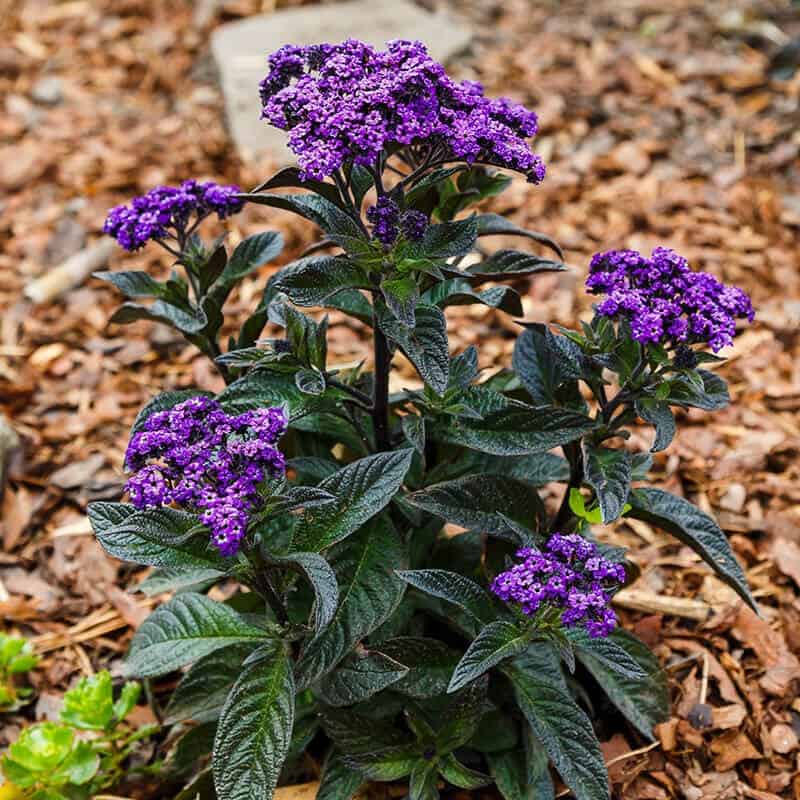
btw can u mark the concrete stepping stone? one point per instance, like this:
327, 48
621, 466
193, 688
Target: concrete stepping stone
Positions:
240, 50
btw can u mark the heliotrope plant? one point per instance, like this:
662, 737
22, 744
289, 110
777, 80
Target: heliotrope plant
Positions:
362, 634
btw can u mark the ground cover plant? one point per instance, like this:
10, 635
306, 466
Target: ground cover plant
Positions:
363, 631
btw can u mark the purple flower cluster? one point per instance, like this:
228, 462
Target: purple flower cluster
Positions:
164, 212
568, 574
196, 455
665, 301
349, 102
388, 222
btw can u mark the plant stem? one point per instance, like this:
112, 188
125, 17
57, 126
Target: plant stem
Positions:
573, 454
380, 395
364, 400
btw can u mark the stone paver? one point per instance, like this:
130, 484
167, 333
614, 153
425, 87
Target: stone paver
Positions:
240, 51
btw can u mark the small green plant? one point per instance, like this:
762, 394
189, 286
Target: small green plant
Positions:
83, 754
16, 658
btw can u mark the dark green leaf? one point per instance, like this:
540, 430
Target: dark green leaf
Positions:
453, 771
492, 224
496, 642
386, 764
478, 501
519, 429
430, 664
608, 472
255, 727
362, 489
608, 651
359, 677
338, 781
185, 629
536, 470
134, 283
422, 784
401, 296
660, 416
159, 537
713, 396
185, 321
563, 729
178, 579
454, 588
310, 381
446, 240
414, 431
644, 697
507, 263
339, 225
248, 256
201, 693
290, 177
522, 774
319, 573
426, 346
312, 281
458, 292
695, 529
369, 591
260, 388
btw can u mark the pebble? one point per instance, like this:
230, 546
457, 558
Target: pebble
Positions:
48, 91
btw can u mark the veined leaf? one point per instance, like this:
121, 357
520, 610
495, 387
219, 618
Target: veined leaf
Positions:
695, 529
359, 677
319, 573
339, 225
186, 321
248, 256
508, 263
453, 771
446, 240
338, 781
644, 697
312, 281
608, 472
202, 691
178, 579
255, 727
134, 283
458, 292
454, 588
158, 537
563, 729
660, 416
425, 346
518, 429
261, 388
430, 664
185, 629
401, 296
492, 224
369, 592
496, 642
478, 501
290, 177
362, 489
713, 396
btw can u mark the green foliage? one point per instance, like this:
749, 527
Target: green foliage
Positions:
16, 658
59, 761
365, 622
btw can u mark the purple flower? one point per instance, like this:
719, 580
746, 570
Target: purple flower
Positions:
348, 102
569, 574
413, 224
384, 217
196, 455
165, 212
666, 302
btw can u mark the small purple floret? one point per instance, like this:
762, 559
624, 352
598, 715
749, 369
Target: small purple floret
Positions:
199, 457
568, 574
346, 103
413, 224
666, 302
165, 212
384, 217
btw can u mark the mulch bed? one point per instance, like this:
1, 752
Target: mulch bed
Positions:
659, 125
